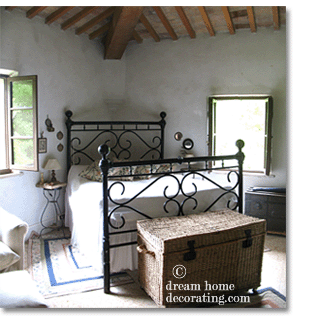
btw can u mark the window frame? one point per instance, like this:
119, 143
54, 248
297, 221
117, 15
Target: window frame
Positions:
268, 126
10, 166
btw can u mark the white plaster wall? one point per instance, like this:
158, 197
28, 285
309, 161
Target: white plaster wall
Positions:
178, 77
72, 74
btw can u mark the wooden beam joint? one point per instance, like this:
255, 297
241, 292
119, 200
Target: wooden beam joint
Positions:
121, 31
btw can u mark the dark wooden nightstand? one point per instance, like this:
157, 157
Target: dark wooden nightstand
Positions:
270, 206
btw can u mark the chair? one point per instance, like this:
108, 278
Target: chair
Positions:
17, 289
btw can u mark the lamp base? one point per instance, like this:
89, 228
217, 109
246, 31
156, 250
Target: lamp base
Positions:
53, 179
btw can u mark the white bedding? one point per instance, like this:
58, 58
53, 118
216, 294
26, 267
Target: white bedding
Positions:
85, 219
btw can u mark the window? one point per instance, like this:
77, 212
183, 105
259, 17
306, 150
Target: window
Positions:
18, 143
242, 117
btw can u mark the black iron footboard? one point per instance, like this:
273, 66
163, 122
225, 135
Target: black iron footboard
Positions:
183, 167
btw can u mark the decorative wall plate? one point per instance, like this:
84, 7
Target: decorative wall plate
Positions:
60, 135
60, 147
188, 144
178, 136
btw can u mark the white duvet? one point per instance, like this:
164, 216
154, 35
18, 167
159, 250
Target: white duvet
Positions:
84, 214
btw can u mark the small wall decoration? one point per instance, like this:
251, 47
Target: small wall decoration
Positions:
60, 135
188, 144
178, 136
49, 125
60, 147
42, 146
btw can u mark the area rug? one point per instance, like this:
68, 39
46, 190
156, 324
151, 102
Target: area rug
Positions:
267, 298
60, 269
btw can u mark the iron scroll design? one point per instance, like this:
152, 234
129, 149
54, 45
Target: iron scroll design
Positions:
105, 164
181, 197
119, 136
183, 200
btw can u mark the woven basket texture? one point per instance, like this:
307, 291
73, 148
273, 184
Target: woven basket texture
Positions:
220, 255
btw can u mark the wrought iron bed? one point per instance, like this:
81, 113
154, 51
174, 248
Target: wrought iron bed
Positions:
117, 138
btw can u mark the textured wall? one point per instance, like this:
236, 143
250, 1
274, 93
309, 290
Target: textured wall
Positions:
72, 74
178, 77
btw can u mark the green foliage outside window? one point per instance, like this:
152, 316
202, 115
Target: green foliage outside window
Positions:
22, 122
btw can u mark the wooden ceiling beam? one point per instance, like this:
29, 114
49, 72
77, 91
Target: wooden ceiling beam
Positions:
206, 20
165, 22
186, 22
137, 37
124, 22
34, 11
95, 21
99, 31
275, 15
57, 14
229, 22
149, 28
76, 18
9, 8
251, 19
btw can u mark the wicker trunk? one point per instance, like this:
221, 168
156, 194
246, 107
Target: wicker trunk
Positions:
186, 259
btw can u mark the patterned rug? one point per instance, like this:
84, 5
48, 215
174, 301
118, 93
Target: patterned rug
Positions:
59, 269
267, 298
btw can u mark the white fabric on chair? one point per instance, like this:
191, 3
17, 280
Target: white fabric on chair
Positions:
18, 290
12, 233
7, 257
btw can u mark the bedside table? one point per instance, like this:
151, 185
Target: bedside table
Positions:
51, 192
270, 206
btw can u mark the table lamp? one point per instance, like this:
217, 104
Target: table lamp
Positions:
52, 164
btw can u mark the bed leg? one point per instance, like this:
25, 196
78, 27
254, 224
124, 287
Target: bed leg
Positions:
106, 279
106, 260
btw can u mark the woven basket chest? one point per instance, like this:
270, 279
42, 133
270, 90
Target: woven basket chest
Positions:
182, 258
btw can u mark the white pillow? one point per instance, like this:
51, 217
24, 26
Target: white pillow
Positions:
7, 256
18, 290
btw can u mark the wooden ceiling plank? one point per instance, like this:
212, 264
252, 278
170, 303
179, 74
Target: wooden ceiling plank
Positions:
251, 19
149, 28
76, 18
165, 22
275, 15
186, 22
229, 22
137, 37
99, 31
9, 8
95, 21
57, 14
206, 20
124, 22
34, 11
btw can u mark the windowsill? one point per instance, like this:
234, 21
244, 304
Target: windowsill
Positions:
11, 174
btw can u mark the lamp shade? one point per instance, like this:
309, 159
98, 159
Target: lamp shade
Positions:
52, 164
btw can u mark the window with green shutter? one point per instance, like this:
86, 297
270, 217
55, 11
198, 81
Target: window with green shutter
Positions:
242, 117
20, 106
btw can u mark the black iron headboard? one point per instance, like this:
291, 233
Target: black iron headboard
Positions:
147, 136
